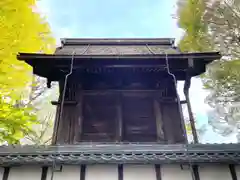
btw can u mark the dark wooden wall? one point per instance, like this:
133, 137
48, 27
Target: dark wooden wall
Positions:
119, 115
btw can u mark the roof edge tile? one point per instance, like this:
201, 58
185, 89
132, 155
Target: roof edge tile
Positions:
118, 41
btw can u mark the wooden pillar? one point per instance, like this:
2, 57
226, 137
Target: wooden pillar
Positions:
119, 120
66, 126
159, 121
186, 88
78, 120
57, 122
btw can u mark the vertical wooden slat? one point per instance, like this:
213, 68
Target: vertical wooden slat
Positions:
195, 172
71, 112
233, 172
159, 122
76, 110
64, 127
119, 119
158, 172
71, 109
83, 172
174, 132
44, 173
120, 172
58, 122
79, 119
6, 173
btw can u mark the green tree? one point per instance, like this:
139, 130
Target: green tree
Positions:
217, 24
214, 25
223, 77
45, 111
22, 30
190, 14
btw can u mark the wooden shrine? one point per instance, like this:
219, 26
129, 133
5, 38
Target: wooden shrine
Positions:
119, 116
118, 90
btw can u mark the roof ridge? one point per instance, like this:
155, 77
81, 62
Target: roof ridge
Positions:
120, 41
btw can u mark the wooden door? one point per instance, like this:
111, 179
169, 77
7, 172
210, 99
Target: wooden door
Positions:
99, 118
139, 122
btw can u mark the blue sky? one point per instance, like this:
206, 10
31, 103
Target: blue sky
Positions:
124, 18
111, 18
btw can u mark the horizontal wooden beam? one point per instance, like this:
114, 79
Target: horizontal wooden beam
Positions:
65, 102
203, 56
79, 66
183, 102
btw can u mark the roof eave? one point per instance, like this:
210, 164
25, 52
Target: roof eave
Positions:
205, 56
120, 154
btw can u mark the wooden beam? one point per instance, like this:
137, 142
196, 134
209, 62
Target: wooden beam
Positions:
120, 172
183, 102
162, 67
95, 92
44, 173
233, 172
82, 172
65, 103
209, 56
6, 173
158, 172
195, 172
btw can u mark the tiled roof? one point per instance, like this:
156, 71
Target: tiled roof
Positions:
120, 153
116, 47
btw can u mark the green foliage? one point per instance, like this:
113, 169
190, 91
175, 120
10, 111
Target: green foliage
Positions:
215, 26
190, 14
22, 30
212, 26
223, 79
15, 122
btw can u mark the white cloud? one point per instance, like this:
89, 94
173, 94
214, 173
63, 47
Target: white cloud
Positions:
44, 8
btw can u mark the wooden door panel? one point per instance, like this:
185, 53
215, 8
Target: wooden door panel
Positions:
99, 117
139, 123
